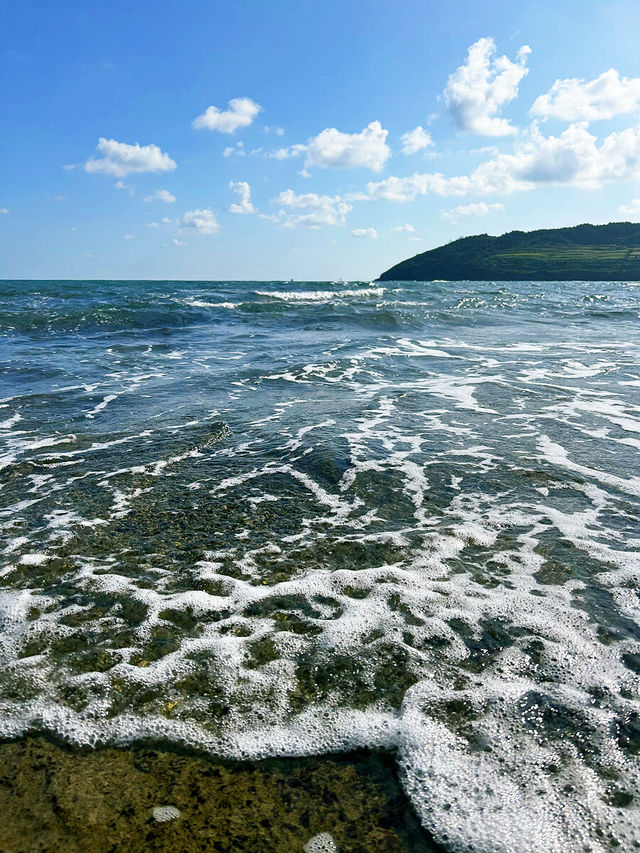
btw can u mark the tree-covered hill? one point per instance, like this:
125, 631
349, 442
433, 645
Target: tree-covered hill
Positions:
585, 252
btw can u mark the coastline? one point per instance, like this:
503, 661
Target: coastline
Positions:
57, 797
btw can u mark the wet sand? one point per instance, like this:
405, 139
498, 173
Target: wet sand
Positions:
57, 798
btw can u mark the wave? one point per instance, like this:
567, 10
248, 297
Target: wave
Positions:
320, 295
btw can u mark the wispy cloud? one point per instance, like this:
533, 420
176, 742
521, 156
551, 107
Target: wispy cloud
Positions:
631, 209
478, 208
120, 185
161, 195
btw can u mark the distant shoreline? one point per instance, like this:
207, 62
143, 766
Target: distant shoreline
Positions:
582, 253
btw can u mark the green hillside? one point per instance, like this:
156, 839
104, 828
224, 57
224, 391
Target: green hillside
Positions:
584, 252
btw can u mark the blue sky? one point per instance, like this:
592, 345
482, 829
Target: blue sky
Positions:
313, 140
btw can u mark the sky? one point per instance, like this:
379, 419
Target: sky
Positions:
305, 140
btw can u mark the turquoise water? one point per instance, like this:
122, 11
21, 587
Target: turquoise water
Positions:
271, 518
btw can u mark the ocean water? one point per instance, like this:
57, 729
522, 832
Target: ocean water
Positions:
269, 518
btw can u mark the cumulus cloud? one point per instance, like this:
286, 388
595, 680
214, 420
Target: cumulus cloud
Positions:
4, 210
574, 99
161, 195
312, 210
477, 90
240, 113
479, 208
177, 242
367, 149
409, 188
631, 209
416, 139
365, 232
244, 204
574, 158
203, 221
120, 159
409, 228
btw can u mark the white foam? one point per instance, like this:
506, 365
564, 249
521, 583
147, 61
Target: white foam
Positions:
9, 422
200, 303
319, 295
162, 814
105, 402
557, 454
34, 559
321, 843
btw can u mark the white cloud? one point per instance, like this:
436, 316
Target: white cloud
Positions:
4, 210
128, 236
279, 131
476, 92
161, 195
631, 209
120, 185
574, 158
416, 139
574, 99
238, 149
407, 189
179, 242
204, 221
244, 204
281, 153
367, 149
241, 113
409, 228
69, 166
478, 208
320, 209
121, 159
365, 232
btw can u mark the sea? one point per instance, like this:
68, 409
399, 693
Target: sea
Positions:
296, 518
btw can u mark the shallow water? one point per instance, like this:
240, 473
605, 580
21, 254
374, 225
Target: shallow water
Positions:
273, 519
151, 797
